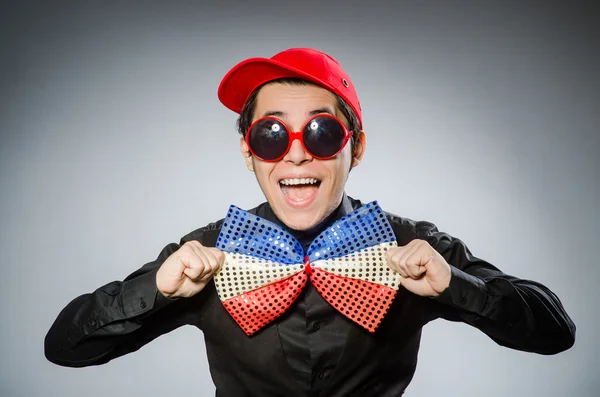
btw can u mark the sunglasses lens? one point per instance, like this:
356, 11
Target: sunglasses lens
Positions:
268, 139
324, 136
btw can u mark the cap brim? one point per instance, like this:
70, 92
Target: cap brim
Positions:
246, 76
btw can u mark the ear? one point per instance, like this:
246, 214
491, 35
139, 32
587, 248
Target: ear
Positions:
247, 155
359, 149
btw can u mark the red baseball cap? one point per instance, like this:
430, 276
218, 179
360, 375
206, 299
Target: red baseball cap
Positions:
305, 63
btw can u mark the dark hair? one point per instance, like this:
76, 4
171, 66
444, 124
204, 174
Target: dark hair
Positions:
247, 113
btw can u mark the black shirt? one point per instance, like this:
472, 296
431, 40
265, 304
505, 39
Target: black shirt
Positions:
312, 350
312, 332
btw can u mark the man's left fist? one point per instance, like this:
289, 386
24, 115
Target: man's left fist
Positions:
424, 271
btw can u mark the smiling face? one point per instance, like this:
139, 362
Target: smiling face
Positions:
301, 190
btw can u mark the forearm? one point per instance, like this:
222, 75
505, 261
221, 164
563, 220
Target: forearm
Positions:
516, 313
520, 314
115, 319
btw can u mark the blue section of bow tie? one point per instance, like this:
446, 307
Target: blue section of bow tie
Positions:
362, 228
246, 233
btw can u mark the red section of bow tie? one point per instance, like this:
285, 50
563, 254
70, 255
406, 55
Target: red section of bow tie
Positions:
361, 301
255, 309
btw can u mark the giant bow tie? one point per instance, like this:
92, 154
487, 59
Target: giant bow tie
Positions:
266, 268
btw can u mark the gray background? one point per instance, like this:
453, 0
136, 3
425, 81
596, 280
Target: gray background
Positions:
481, 117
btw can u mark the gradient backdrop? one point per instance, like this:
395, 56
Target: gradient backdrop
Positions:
482, 117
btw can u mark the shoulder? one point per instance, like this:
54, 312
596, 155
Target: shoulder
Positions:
408, 229
405, 228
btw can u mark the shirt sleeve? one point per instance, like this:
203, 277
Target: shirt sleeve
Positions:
516, 313
117, 318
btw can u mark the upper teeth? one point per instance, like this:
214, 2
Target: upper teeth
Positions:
296, 181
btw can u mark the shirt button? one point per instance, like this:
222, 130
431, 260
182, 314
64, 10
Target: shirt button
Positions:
143, 304
463, 299
93, 322
316, 326
321, 375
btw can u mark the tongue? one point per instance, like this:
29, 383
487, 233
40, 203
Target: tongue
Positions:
299, 192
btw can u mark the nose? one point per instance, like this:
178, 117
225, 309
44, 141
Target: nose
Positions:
297, 154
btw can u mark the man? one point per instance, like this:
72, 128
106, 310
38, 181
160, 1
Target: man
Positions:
313, 345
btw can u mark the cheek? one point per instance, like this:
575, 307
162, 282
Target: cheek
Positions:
342, 165
262, 170
338, 172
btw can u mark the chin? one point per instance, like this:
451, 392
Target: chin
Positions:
304, 219
300, 223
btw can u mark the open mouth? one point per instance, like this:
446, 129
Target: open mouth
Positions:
299, 191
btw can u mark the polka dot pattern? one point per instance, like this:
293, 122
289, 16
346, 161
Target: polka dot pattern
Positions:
368, 264
365, 227
255, 309
361, 301
246, 233
266, 268
241, 273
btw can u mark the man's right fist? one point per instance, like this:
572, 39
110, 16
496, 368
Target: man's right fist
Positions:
187, 271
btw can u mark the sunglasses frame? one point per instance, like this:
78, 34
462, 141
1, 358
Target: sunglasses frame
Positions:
293, 135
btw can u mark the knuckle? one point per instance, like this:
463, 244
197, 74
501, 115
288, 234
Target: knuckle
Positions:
215, 251
193, 244
187, 247
219, 255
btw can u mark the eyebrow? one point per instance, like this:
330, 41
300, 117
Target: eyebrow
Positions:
320, 110
278, 113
